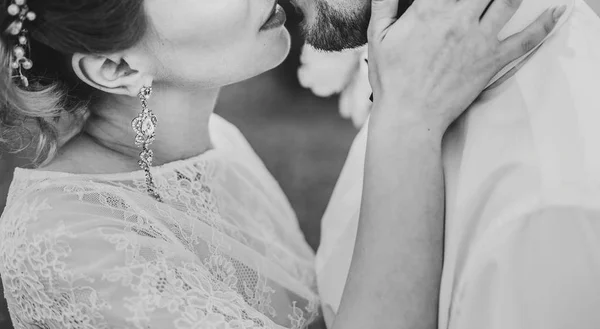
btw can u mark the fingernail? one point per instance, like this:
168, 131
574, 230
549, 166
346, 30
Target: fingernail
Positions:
558, 12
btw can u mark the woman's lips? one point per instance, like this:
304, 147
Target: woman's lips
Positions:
277, 18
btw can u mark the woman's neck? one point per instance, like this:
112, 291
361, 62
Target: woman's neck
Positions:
108, 140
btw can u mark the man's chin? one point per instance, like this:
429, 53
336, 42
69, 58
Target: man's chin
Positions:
331, 30
332, 41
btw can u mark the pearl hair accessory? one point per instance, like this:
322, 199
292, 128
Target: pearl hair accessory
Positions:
19, 61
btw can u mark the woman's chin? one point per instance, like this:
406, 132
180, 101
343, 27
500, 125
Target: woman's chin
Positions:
266, 56
280, 47
283, 38
275, 56
286, 42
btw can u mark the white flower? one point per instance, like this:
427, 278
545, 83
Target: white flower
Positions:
344, 73
326, 73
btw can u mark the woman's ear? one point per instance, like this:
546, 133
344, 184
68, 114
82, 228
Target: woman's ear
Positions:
111, 74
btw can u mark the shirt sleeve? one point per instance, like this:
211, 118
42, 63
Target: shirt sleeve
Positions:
63, 268
543, 271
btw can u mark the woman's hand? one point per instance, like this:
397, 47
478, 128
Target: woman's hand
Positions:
428, 67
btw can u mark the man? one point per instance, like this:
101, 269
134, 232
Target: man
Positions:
522, 182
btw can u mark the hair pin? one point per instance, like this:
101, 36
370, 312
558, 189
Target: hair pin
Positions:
19, 60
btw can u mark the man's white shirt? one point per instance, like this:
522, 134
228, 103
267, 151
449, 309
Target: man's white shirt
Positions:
522, 170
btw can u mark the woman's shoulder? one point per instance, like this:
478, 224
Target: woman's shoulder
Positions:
226, 135
36, 204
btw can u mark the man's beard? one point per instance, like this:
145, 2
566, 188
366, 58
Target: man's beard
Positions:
335, 30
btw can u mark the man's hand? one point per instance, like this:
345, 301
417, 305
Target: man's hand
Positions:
430, 65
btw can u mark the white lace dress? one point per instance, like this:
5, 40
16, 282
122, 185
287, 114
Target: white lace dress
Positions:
224, 250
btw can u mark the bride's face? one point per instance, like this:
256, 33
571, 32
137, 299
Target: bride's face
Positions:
212, 43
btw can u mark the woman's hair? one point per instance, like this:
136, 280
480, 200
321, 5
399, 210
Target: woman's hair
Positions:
31, 116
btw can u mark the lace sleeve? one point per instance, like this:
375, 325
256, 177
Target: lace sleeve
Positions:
63, 270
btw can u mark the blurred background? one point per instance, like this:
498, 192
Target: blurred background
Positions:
301, 138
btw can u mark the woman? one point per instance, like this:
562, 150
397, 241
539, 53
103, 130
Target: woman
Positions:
200, 235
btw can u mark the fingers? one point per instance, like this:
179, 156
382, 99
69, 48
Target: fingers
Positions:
383, 14
499, 13
523, 42
477, 7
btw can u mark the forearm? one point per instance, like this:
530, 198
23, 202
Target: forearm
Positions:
395, 274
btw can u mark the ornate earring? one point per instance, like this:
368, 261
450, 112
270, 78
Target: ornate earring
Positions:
144, 126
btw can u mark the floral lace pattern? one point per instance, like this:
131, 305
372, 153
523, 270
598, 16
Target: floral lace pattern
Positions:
223, 251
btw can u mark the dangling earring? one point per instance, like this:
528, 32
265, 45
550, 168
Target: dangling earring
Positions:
145, 128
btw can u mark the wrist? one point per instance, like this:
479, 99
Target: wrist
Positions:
409, 137
394, 118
